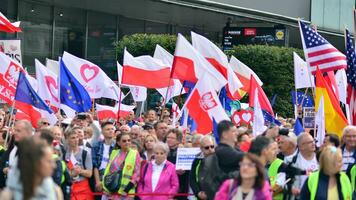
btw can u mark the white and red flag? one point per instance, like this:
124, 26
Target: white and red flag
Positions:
108, 112
145, 71
189, 65
7, 26
219, 60
262, 98
167, 59
92, 77
244, 73
319, 52
48, 84
9, 73
204, 106
138, 93
175, 112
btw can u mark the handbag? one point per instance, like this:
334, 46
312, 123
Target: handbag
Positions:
112, 181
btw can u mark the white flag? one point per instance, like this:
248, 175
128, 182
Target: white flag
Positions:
258, 119
302, 76
53, 65
320, 123
341, 82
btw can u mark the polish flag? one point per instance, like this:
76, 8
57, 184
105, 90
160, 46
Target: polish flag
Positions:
108, 112
190, 65
92, 77
145, 71
7, 26
138, 93
177, 88
244, 73
48, 84
9, 74
219, 60
204, 106
262, 98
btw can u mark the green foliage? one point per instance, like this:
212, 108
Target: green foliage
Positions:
274, 65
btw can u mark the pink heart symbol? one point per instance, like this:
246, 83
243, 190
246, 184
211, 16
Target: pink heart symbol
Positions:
89, 72
52, 87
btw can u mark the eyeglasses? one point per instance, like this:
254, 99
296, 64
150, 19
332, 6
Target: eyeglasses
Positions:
124, 141
249, 165
45, 123
209, 147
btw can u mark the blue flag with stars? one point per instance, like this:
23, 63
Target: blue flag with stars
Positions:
307, 102
72, 93
26, 94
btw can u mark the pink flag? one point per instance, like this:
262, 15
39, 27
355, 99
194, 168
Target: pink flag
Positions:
204, 106
108, 112
92, 77
219, 60
167, 59
48, 83
145, 71
190, 65
7, 26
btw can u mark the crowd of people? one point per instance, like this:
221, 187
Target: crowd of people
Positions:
135, 158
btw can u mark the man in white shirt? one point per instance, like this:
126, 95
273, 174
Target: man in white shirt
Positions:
306, 160
349, 148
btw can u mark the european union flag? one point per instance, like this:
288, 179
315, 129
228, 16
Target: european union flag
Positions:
298, 128
307, 102
269, 119
72, 93
26, 94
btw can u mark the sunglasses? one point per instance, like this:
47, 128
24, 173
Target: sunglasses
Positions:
124, 141
209, 147
45, 123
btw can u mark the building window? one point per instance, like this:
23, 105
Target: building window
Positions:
69, 31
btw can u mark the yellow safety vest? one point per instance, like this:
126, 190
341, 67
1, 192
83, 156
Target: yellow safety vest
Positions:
353, 176
127, 172
313, 182
272, 173
64, 166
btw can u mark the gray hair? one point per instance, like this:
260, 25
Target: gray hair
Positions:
206, 138
348, 129
196, 137
162, 146
300, 137
26, 125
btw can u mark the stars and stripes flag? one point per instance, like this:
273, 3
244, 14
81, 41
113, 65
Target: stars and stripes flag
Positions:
351, 76
319, 52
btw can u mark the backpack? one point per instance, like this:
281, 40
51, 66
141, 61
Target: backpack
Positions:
211, 175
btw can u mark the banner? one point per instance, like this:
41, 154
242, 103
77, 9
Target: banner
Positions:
308, 117
12, 48
185, 157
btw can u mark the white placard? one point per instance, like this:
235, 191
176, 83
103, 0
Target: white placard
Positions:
12, 48
185, 157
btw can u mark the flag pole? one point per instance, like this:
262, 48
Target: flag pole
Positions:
9, 123
119, 107
166, 96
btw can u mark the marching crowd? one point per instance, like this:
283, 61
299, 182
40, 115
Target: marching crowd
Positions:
135, 158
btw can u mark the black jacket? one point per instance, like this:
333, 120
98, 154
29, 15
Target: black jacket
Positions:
194, 184
323, 185
228, 157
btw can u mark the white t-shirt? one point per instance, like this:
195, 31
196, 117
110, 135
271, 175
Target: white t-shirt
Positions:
288, 159
347, 158
106, 157
12, 157
303, 164
156, 173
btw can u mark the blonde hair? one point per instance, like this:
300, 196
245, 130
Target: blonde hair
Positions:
328, 157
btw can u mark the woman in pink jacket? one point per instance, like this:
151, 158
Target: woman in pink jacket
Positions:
158, 176
250, 183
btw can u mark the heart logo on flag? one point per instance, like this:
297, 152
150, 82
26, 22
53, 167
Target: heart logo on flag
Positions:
52, 87
89, 72
246, 117
236, 118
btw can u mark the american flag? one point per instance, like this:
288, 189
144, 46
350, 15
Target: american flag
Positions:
351, 75
319, 52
